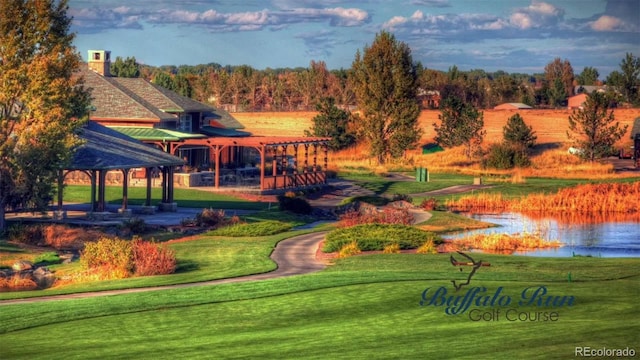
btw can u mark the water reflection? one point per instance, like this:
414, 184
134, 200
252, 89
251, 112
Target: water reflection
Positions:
599, 237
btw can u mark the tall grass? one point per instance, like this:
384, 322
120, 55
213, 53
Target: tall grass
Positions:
603, 198
505, 243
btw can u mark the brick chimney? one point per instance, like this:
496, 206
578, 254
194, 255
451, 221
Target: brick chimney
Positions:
100, 61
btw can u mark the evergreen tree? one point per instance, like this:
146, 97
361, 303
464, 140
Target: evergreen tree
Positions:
332, 122
593, 128
460, 124
518, 134
384, 82
127, 68
41, 101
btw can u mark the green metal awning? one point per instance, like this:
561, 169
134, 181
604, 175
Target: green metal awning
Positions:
155, 134
216, 131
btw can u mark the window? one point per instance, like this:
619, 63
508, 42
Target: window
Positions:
185, 123
96, 56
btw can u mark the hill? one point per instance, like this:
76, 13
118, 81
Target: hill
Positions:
550, 125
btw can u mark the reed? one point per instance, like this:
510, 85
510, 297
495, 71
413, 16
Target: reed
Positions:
582, 199
505, 243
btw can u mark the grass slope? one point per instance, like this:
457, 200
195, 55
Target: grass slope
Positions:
363, 307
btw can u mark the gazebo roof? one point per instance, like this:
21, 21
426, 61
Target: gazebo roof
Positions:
108, 149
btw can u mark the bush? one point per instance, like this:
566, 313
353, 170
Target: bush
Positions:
376, 236
23, 234
134, 225
349, 249
47, 258
64, 237
429, 204
112, 255
262, 228
393, 248
371, 216
402, 197
428, 247
210, 218
502, 157
115, 258
292, 203
152, 259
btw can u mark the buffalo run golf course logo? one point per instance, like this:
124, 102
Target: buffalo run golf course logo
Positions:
479, 303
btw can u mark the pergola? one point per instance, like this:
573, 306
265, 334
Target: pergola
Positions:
313, 152
105, 150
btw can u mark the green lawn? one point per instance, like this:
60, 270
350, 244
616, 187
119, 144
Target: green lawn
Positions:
188, 198
363, 307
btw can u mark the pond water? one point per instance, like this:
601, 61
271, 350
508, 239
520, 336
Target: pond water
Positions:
598, 239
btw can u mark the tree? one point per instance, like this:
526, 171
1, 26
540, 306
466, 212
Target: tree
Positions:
163, 79
559, 77
592, 128
127, 68
384, 82
460, 124
630, 81
519, 134
41, 101
588, 76
332, 122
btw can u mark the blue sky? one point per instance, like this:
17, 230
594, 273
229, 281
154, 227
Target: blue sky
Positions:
510, 35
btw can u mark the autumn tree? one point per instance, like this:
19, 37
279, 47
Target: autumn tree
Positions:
40, 101
384, 82
127, 68
559, 78
333, 122
460, 124
593, 128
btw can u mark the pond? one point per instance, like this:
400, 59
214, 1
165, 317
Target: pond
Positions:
620, 238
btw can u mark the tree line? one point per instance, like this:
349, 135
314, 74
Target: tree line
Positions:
244, 88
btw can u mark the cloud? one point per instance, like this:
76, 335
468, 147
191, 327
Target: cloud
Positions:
606, 23
537, 15
320, 44
431, 3
101, 19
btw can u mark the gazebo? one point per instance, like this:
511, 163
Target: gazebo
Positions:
105, 150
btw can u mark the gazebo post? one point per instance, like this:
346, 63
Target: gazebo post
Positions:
125, 194
147, 208
167, 203
102, 176
60, 214
93, 191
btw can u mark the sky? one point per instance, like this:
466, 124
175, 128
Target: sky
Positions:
516, 36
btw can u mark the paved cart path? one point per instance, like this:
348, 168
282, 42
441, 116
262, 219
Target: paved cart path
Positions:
294, 256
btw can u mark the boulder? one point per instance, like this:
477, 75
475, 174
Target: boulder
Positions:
22, 265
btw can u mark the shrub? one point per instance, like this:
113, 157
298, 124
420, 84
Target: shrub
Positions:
23, 234
292, 203
393, 248
429, 204
349, 249
64, 237
210, 218
152, 259
134, 225
17, 282
402, 197
503, 156
262, 228
112, 255
376, 237
428, 247
371, 216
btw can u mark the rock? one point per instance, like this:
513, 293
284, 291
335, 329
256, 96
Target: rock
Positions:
43, 277
22, 265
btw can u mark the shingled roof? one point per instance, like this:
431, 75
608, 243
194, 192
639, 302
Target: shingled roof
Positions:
108, 149
137, 99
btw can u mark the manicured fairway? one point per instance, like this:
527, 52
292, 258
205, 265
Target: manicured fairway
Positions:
363, 307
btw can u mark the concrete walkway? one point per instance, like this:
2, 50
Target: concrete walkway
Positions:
294, 256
